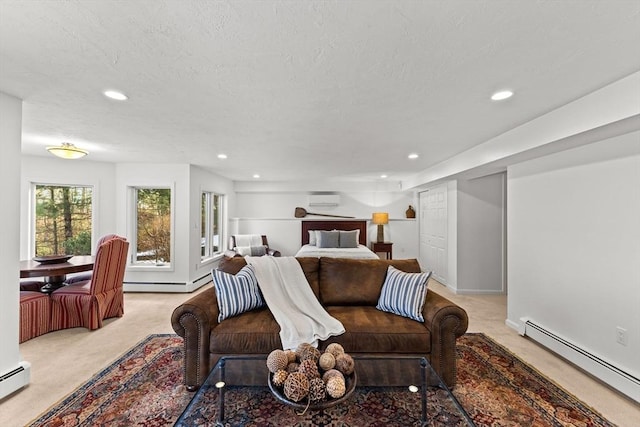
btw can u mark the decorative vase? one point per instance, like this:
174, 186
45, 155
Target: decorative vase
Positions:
410, 212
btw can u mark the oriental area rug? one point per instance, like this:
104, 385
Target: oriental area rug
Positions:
144, 388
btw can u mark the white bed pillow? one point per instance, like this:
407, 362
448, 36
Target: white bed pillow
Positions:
313, 240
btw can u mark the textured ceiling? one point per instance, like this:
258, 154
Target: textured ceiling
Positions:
302, 89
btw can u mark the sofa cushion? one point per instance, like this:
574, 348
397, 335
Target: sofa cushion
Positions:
369, 330
237, 293
403, 293
345, 281
254, 332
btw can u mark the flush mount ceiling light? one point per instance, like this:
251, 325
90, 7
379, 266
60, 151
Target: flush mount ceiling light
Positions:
383, 176
256, 176
114, 94
413, 156
67, 151
502, 95
222, 156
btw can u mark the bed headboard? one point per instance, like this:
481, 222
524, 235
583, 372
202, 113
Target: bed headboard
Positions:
334, 225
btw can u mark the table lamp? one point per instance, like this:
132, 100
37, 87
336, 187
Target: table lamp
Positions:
380, 218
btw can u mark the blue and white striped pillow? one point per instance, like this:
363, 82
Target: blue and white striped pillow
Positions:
404, 293
237, 293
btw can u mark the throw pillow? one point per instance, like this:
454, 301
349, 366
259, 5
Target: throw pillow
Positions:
404, 293
349, 239
312, 237
328, 239
251, 250
236, 293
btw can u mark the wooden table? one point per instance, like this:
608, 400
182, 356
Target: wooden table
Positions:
385, 247
55, 274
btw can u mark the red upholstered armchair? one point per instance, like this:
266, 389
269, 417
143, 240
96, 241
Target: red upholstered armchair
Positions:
85, 276
88, 303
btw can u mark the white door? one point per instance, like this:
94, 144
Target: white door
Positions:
433, 232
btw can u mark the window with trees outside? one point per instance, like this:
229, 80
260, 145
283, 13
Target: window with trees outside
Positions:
211, 226
153, 226
63, 216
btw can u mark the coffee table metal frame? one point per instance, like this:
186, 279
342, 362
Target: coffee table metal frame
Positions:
219, 383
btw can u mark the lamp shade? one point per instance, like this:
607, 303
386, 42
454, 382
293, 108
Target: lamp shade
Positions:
67, 151
380, 218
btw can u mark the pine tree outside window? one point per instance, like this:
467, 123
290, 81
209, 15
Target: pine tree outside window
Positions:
63, 219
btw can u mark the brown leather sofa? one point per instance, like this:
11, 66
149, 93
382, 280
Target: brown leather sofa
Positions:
349, 290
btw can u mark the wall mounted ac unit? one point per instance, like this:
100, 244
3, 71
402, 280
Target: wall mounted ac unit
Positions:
324, 200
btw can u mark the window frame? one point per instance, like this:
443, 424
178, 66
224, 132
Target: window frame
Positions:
209, 222
132, 220
31, 245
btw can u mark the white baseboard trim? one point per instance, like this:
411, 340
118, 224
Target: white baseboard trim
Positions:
518, 327
15, 379
185, 287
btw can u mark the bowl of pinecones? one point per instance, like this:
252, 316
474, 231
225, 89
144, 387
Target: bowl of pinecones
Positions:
309, 379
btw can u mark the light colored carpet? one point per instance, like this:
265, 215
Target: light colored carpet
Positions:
63, 360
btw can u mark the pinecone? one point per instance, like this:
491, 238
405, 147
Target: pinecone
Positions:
309, 368
291, 355
317, 390
279, 378
309, 353
301, 348
277, 360
296, 386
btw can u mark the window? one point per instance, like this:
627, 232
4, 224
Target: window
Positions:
211, 226
152, 226
63, 216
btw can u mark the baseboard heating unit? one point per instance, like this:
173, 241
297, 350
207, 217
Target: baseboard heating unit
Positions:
617, 378
15, 379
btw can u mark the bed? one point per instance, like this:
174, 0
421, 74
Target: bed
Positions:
360, 251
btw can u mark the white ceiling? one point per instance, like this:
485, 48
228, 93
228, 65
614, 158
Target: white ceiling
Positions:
292, 90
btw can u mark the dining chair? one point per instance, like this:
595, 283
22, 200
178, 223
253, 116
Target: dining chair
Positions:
35, 314
85, 276
88, 303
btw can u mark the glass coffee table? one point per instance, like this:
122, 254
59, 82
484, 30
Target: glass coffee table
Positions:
390, 391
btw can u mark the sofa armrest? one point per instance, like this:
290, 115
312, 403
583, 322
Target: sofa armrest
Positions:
193, 320
446, 321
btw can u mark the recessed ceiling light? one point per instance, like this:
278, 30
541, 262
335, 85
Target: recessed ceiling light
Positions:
222, 156
503, 94
113, 94
413, 156
256, 176
383, 176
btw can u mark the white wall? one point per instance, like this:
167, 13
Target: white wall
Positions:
574, 246
271, 210
52, 170
10, 144
480, 235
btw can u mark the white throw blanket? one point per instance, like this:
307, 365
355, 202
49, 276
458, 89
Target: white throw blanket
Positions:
301, 317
